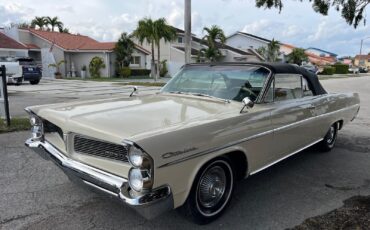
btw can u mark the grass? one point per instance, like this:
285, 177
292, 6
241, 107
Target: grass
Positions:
109, 79
16, 124
156, 84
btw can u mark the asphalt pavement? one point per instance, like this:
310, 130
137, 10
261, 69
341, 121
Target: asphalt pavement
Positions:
35, 194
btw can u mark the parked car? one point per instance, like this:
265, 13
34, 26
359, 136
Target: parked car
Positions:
30, 70
13, 70
187, 146
353, 69
363, 70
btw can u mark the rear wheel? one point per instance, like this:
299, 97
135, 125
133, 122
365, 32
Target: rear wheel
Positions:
34, 82
19, 81
330, 138
211, 191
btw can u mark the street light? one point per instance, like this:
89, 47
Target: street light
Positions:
362, 40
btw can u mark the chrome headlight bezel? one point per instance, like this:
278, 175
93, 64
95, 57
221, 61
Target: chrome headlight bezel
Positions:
142, 167
37, 126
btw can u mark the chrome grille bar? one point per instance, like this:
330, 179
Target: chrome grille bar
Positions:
89, 146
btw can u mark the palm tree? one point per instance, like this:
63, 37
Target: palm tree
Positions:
162, 31
297, 56
272, 51
145, 32
214, 36
40, 22
54, 22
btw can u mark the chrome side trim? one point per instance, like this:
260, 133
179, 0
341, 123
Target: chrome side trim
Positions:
287, 156
204, 152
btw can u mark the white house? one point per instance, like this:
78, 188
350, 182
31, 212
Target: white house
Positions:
245, 41
76, 50
10, 47
174, 52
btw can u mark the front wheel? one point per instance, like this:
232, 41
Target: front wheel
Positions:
34, 82
211, 191
330, 138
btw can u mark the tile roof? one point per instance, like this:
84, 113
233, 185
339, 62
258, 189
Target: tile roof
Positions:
253, 36
32, 46
323, 51
362, 56
9, 43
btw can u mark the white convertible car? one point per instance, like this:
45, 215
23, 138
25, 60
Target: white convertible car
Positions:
187, 145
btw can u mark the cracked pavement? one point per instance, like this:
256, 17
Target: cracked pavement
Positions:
35, 194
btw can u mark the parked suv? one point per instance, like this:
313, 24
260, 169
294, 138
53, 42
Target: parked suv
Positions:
30, 70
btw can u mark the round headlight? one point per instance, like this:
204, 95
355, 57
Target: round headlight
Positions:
135, 179
135, 156
33, 121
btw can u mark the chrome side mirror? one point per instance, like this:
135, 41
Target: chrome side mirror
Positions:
134, 90
247, 103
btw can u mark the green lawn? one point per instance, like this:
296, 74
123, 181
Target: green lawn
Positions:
139, 83
16, 124
110, 79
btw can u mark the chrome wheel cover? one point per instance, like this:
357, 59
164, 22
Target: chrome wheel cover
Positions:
212, 187
331, 135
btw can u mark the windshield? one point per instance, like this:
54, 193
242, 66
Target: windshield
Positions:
226, 82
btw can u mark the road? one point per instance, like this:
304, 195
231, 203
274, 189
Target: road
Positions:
35, 194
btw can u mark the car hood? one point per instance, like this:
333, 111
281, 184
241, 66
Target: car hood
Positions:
137, 117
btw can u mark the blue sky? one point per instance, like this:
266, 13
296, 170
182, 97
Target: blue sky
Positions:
297, 24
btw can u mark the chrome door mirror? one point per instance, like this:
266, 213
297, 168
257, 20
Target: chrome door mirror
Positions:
247, 103
134, 90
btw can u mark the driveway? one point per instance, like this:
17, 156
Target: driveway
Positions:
35, 194
55, 91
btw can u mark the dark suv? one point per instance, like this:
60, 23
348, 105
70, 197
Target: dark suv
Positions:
30, 70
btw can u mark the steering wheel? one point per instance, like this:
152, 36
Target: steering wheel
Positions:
241, 93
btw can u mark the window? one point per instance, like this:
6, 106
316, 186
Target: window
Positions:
287, 87
180, 40
306, 88
136, 60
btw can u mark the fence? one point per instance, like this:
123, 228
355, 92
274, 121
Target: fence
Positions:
4, 102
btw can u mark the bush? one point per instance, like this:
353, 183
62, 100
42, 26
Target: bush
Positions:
95, 65
140, 72
341, 68
164, 69
328, 70
125, 72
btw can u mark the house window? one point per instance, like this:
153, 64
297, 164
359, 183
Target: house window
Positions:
136, 60
180, 40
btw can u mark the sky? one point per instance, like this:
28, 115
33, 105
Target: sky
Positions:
105, 20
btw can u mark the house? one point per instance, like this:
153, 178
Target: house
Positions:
174, 52
10, 47
362, 60
245, 41
76, 50
320, 52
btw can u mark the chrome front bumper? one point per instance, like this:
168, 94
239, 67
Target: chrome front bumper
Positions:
149, 205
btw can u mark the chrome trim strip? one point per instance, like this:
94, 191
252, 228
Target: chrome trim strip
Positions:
99, 188
283, 158
204, 152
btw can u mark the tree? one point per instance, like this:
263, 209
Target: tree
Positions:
57, 66
215, 35
297, 56
271, 51
352, 10
124, 49
145, 32
95, 65
64, 30
162, 31
54, 22
40, 22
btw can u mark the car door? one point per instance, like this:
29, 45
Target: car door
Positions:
292, 114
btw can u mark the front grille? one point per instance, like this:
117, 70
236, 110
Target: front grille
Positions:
85, 145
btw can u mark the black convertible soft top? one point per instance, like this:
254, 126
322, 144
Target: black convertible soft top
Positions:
278, 68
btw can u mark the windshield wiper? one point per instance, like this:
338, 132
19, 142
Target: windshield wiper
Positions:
209, 96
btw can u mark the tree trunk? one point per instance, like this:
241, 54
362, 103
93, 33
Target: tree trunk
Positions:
152, 67
159, 62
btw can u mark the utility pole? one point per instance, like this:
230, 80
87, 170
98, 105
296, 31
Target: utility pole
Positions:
187, 26
362, 41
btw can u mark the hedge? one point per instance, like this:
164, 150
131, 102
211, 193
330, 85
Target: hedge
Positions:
341, 68
140, 72
125, 72
328, 70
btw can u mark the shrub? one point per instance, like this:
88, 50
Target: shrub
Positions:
328, 70
341, 68
164, 69
140, 72
95, 65
125, 72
